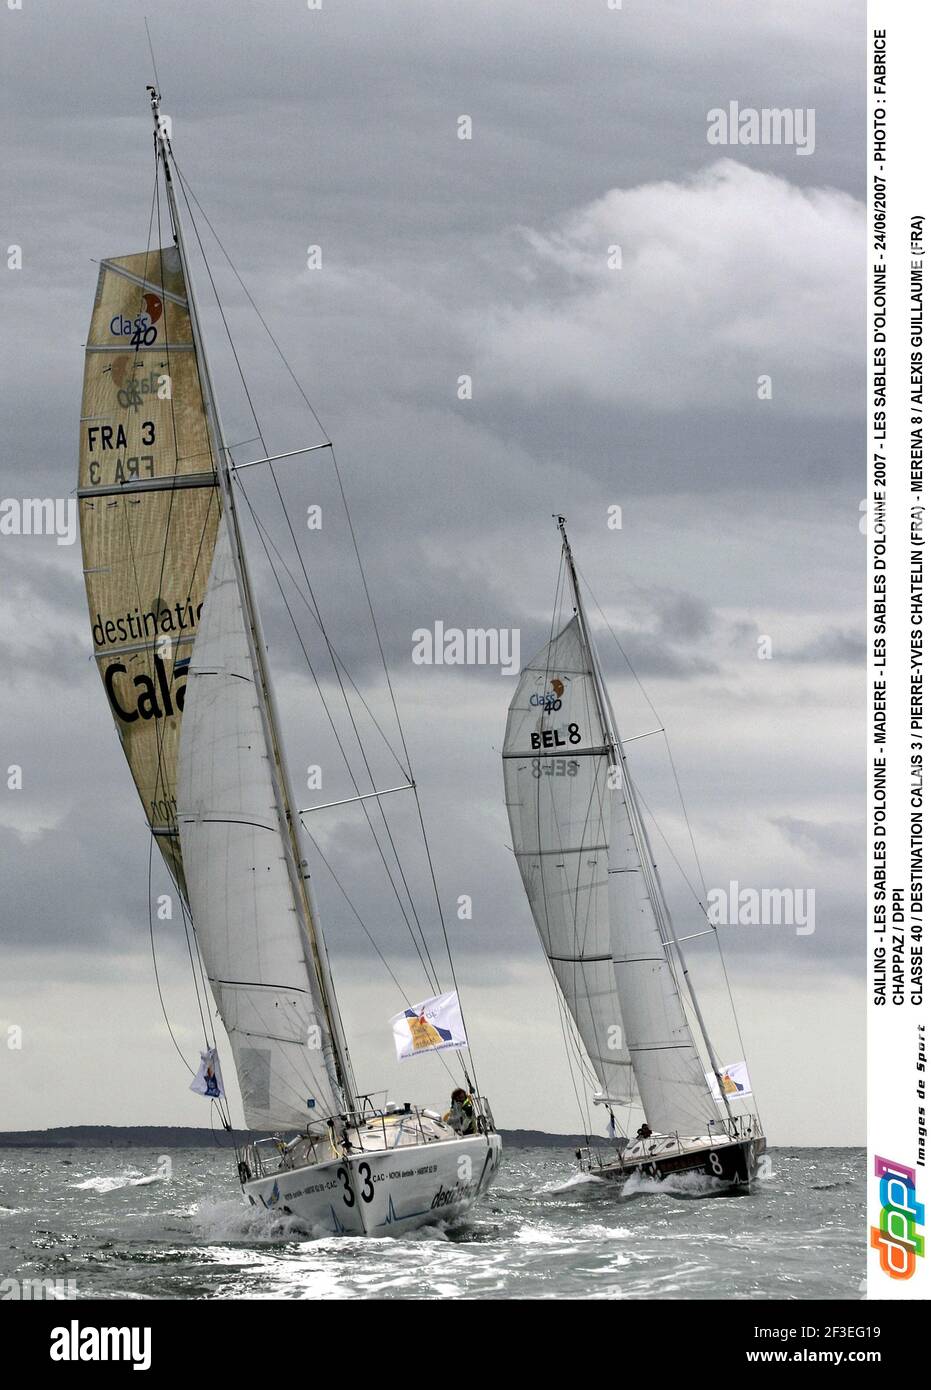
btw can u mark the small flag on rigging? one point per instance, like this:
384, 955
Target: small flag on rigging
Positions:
432, 1026
208, 1081
735, 1078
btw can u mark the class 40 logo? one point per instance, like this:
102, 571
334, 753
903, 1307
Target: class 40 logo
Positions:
141, 331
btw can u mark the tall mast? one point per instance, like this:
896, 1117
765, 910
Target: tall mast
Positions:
315, 952
644, 849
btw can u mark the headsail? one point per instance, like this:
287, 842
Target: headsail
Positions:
556, 778
670, 1077
250, 932
148, 506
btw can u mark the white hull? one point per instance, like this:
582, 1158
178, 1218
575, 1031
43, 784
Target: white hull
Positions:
383, 1192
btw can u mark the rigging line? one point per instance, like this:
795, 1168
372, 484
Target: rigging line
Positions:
158, 983
410, 776
375, 837
161, 733
378, 845
662, 728
260, 525
569, 1047
328, 440
582, 1064
228, 332
155, 212
713, 926
688, 823
562, 1002
186, 189
187, 937
197, 964
284, 1091
355, 912
155, 215
655, 893
575, 890
581, 944
151, 50
255, 307
702, 907
381, 809
449, 954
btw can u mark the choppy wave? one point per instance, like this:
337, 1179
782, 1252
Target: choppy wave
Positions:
123, 1229
577, 1182
676, 1185
112, 1182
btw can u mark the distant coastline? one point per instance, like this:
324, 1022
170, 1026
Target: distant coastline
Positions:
179, 1137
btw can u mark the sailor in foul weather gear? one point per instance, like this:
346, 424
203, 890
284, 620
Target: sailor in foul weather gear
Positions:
461, 1114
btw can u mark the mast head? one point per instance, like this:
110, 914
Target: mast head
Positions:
162, 124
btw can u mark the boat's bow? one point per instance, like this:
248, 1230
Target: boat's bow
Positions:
376, 1173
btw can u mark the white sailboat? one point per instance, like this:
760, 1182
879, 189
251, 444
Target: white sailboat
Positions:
179, 644
598, 904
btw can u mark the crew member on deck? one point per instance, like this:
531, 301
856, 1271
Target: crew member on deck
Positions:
644, 1132
461, 1113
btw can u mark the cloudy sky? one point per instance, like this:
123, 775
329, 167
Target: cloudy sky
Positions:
593, 387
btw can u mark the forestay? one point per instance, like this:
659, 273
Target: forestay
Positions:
251, 935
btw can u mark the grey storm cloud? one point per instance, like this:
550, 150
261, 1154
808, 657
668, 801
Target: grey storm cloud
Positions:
843, 645
591, 389
838, 838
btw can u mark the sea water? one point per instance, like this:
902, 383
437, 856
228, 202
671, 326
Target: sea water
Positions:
135, 1224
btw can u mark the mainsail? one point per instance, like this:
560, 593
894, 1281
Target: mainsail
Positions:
588, 873
250, 930
148, 505
556, 776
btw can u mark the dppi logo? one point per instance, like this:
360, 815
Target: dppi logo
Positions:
141, 330
896, 1237
548, 701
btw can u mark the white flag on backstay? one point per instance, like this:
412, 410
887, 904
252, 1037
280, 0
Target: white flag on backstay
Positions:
432, 1026
208, 1081
735, 1079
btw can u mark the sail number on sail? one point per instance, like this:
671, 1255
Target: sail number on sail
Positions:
552, 738
101, 438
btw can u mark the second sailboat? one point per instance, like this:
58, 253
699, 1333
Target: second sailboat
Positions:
598, 904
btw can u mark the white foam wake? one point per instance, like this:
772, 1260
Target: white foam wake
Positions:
578, 1180
675, 1185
